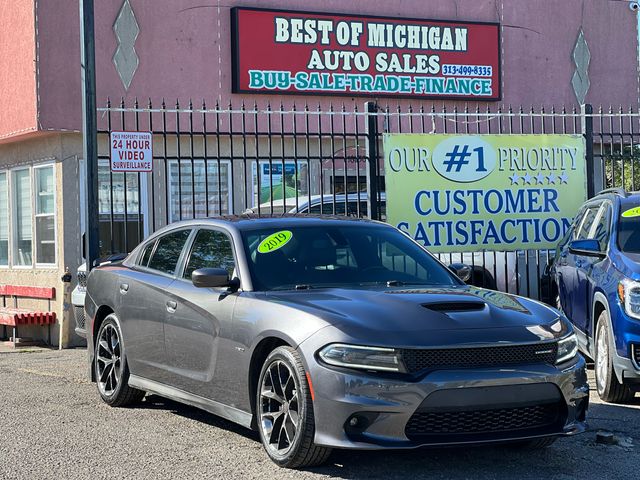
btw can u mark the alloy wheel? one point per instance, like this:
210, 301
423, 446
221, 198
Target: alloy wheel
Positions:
602, 359
108, 360
280, 408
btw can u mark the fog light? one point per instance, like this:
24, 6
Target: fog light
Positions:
358, 422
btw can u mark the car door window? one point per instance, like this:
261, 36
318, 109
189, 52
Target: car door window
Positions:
167, 253
211, 249
600, 228
584, 227
146, 254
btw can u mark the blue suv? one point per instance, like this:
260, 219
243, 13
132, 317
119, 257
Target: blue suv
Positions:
596, 277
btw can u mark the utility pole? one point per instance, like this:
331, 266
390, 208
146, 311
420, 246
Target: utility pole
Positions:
89, 128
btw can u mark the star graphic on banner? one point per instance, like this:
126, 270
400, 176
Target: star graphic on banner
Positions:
551, 178
539, 178
527, 178
564, 178
514, 179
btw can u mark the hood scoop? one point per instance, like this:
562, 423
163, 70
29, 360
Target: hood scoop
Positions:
450, 307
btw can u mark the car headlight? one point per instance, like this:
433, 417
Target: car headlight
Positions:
567, 348
629, 294
364, 358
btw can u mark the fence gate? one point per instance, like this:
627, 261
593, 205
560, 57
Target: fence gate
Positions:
231, 159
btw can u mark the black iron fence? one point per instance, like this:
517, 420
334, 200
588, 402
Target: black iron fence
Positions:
218, 160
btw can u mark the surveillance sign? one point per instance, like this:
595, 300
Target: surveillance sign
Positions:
131, 151
462, 193
289, 52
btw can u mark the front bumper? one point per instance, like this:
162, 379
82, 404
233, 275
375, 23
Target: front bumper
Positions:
77, 300
626, 332
385, 406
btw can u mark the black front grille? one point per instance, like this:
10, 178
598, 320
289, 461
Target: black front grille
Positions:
455, 307
635, 354
475, 422
80, 319
417, 360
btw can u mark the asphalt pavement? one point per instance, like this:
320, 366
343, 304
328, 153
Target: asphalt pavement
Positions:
54, 426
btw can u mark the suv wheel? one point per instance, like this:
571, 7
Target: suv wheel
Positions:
607, 385
285, 412
110, 364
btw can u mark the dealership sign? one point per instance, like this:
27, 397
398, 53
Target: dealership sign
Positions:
462, 193
131, 152
318, 53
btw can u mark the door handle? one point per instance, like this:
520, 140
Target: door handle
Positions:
171, 306
124, 288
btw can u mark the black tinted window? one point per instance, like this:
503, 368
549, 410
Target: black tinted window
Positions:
146, 254
629, 229
601, 232
210, 249
165, 258
339, 255
587, 221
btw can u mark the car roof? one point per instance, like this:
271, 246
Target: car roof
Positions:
251, 222
616, 192
304, 201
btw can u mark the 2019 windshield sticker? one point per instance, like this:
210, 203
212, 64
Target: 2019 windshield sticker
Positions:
632, 212
275, 241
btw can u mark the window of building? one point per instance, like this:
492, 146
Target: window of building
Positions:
4, 219
167, 253
190, 196
122, 206
22, 221
211, 249
45, 215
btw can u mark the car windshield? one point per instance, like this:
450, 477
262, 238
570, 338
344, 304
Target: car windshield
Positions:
351, 256
629, 229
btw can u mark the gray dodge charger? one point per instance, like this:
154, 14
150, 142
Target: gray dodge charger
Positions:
326, 333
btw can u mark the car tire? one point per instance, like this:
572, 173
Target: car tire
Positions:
607, 385
284, 408
111, 368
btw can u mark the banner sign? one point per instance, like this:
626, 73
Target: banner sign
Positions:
131, 152
279, 52
464, 193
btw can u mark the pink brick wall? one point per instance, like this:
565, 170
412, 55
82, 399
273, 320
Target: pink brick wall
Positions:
180, 41
18, 103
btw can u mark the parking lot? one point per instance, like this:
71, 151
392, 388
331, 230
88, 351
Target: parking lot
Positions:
53, 425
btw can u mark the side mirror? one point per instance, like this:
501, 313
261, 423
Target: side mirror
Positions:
212, 278
589, 248
462, 271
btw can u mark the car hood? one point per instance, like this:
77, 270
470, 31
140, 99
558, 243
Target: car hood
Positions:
627, 263
428, 316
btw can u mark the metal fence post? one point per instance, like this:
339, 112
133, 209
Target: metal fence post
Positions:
89, 128
588, 136
372, 156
